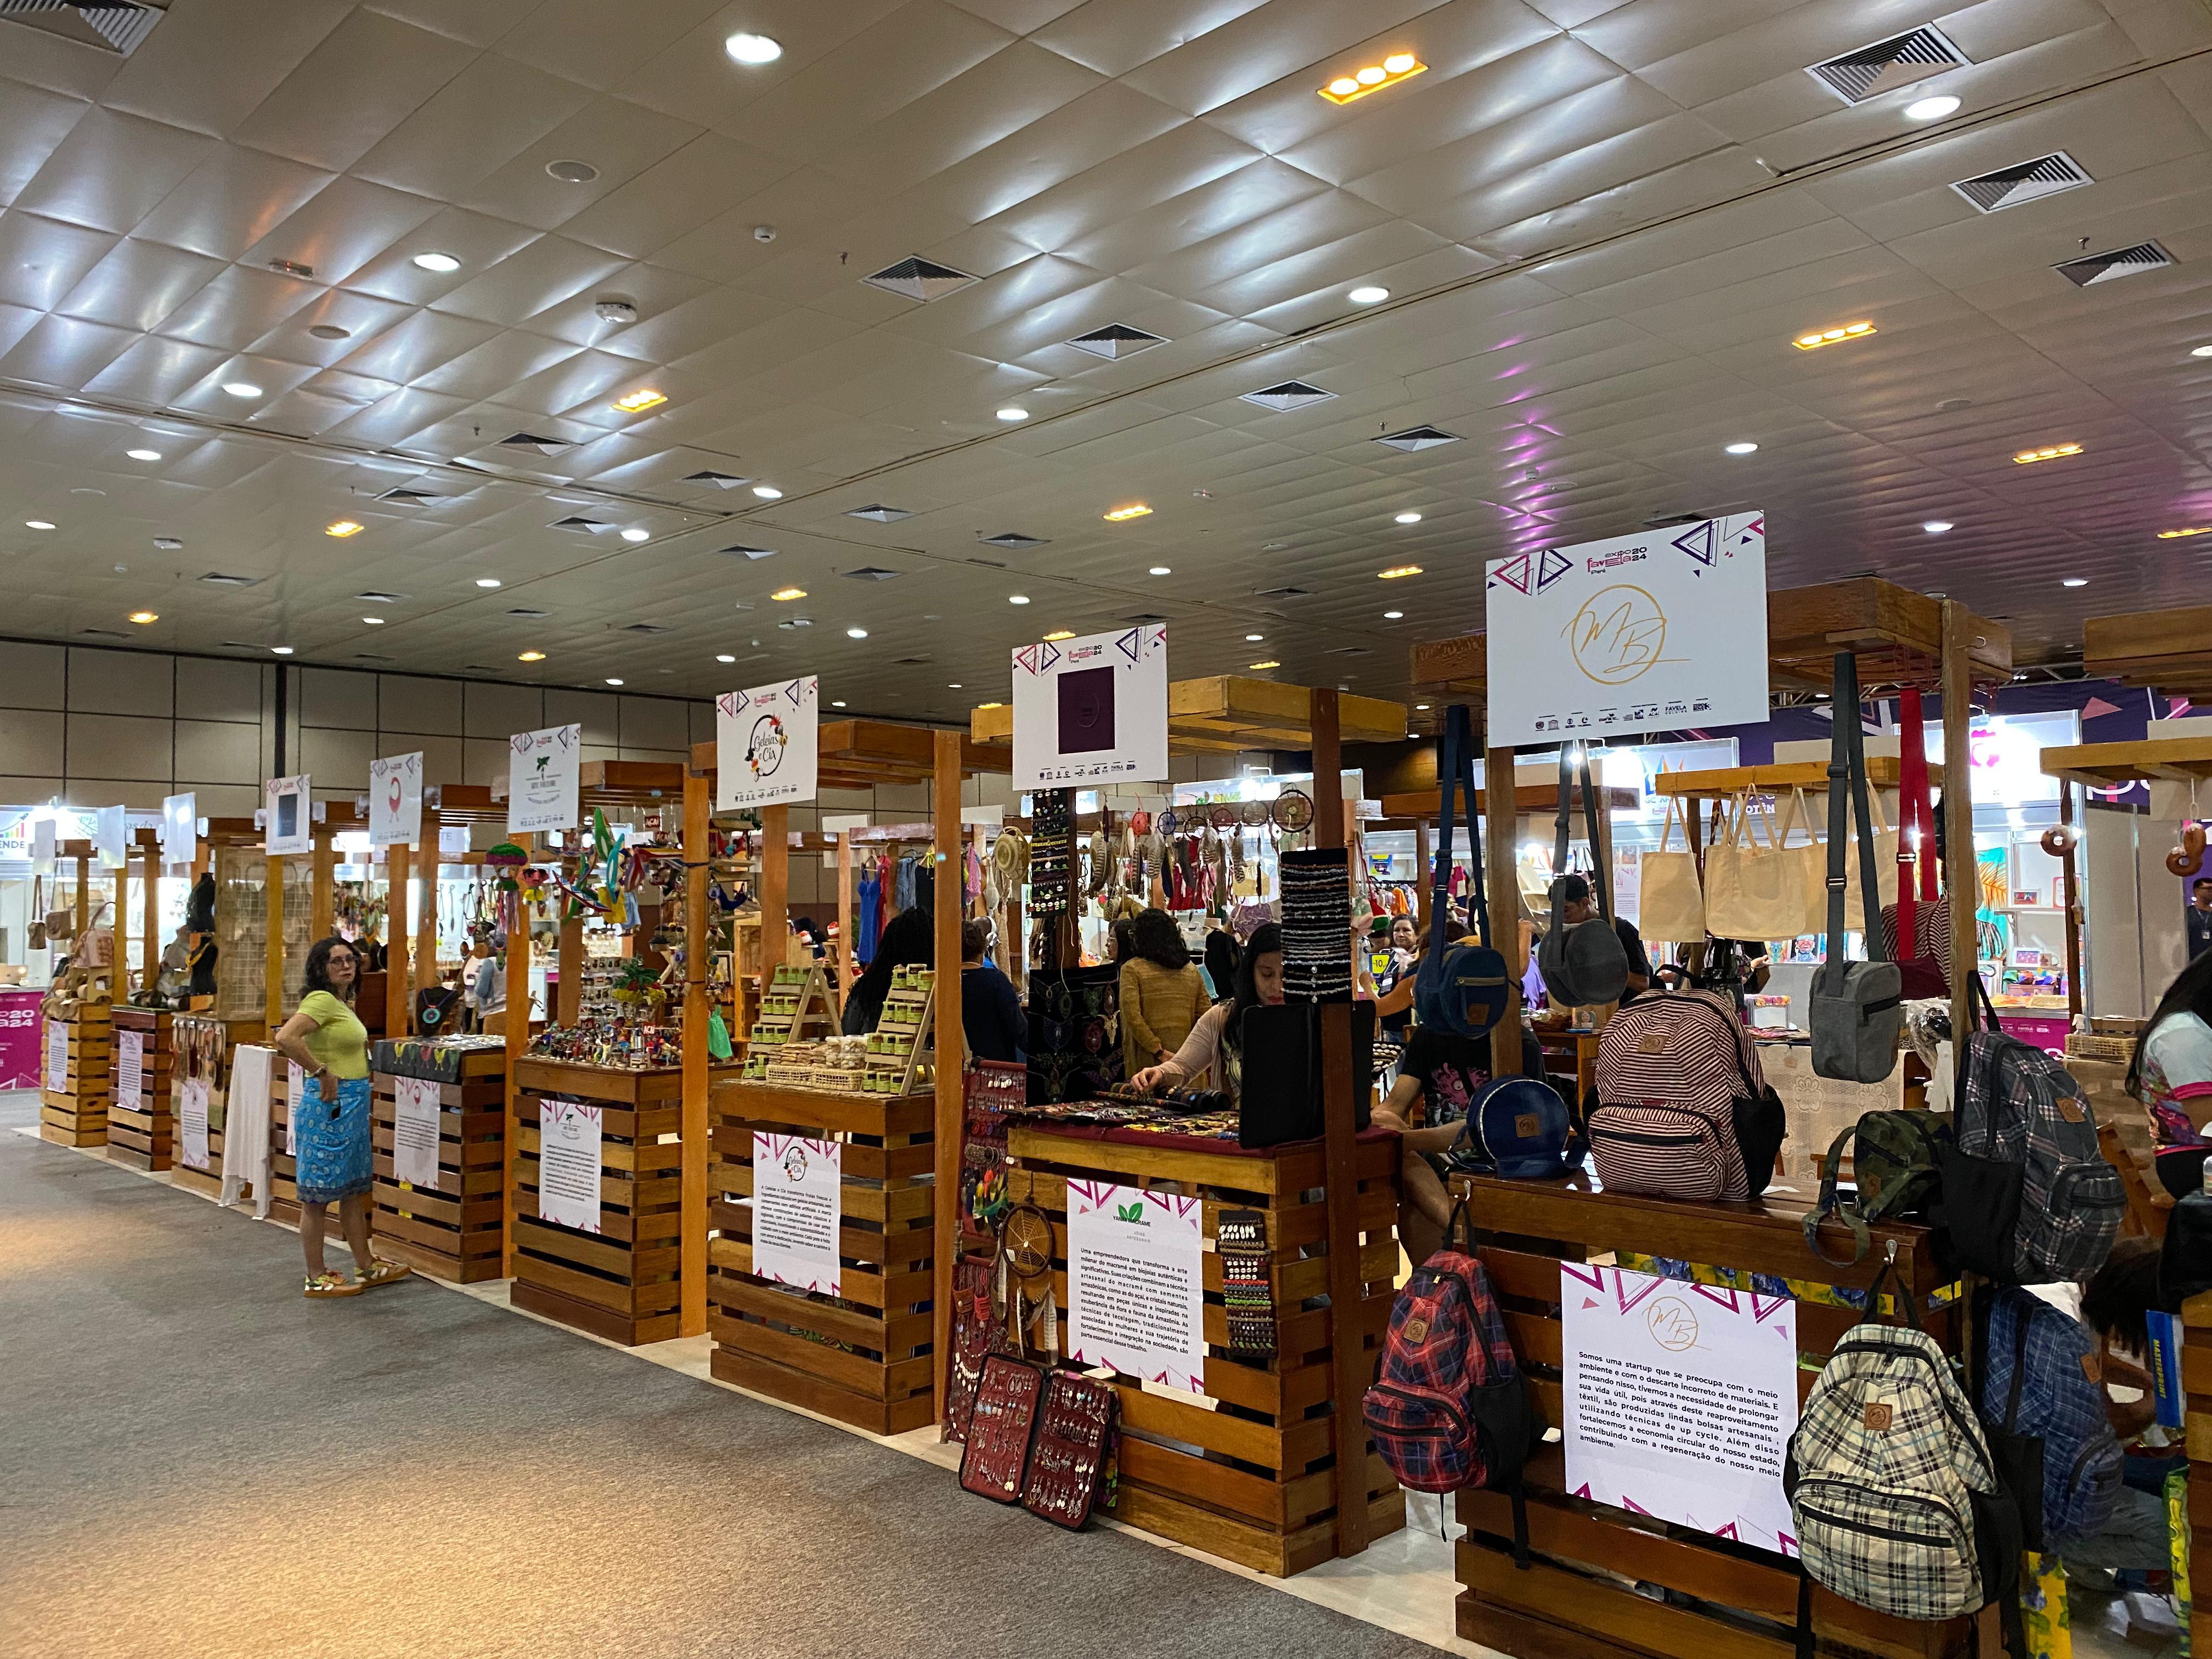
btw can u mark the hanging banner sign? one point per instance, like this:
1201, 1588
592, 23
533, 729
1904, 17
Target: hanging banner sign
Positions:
415, 1110
110, 834
543, 775
1643, 633
129, 1068
568, 1164
1136, 1283
1092, 710
180, 828
192, 1123
798, 1202
766, 741
287, 824
395, 800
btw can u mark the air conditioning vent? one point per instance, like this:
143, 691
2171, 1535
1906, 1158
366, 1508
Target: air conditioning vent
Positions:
103, 633
404, 496
871, 572
2030, 181
716, 480
741, 551
1116, 340
242, 645
371, 656
1282, 593
989, 564
282, 267
582, 526
167, 544
880, 513
643, 628
1292, 394
1671, 521
379, 599
1888, 65
1350, 651
118, 26
917, 278
796, 622
222, 581
1144, 617
527, 615
2120, 262
1417, 437
1014, 541
910, 662
533, 440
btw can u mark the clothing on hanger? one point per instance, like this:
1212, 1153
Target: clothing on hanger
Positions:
868, 904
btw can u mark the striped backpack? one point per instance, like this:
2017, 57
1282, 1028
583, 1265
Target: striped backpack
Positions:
2042, 1399
1683, 1111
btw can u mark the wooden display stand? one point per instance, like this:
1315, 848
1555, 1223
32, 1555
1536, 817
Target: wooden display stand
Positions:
623, 1282
1557, 1609
2196, 1382
453, 1232
142, 1126
1261, 1491
862, 1356
76, 1114
795, 1007
190, 1036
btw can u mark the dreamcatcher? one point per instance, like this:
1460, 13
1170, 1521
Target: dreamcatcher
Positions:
1292, 812
1026, 1296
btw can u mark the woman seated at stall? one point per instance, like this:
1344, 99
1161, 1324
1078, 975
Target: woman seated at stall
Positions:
1215, 1047
2172, 1075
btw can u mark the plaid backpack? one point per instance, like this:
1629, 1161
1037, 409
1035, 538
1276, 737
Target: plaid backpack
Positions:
1449, 1409
2027, 1195
1897, 1503
1683, 1109
2043, 1397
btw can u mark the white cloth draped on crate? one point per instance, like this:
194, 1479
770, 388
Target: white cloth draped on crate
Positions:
246, 1126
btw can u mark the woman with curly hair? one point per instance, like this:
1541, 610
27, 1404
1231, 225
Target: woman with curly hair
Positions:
1162, 992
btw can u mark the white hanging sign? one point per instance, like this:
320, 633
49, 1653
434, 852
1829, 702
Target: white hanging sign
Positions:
129, 1068
798, 1199
110, 834
180, 828
1646, 633
1136, 1283
1092, 710
57, 1056
568, 1164
296, 1091
192, 1122
287, 822
416, 1111
395, 800
543, 778
766, 741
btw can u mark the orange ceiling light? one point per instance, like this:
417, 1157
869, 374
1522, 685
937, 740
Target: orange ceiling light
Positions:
2048, 453
1270, 662
343, 528
638, 402
1134, 510
990, 705
1398, 67
1397, 570
1061, 634
1828, 336
142, 618
2193, 530
787, 593
529, 656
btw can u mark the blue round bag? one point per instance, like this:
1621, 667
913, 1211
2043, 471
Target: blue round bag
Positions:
1516, 1128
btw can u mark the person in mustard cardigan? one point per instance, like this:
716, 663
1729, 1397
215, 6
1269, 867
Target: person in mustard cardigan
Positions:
1161, 993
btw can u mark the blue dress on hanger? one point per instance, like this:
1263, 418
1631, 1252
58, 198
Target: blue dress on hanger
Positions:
865, 923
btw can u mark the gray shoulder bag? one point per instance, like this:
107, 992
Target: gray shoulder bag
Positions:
1586, 962
1857, 1006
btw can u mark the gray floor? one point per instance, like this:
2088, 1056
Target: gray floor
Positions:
195, 1459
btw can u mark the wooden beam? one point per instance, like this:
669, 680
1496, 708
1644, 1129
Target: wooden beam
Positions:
398, 1003
150, 967
698, 805
272, 947
516, 1035
1454, 665
951, 1105
1960, 877
426, 919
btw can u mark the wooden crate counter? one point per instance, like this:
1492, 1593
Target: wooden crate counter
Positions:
141, 1127
2197, 1384
1260, 1489
862, 1355
621, 1283
450, 1230
1555, 1609
200, 1050
74, 1075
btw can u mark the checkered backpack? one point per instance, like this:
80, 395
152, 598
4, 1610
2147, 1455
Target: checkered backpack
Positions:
1897, 1503
2042, 1400
1683, 1110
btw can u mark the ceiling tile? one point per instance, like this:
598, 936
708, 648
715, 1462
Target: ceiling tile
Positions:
691, 187
112, 171
342, 228
620, 138
493, 109
231, 201
138, 285
42, 259
211, 76
33, 123
363, 79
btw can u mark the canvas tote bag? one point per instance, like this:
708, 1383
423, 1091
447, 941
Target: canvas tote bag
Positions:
1753, 889
1671, 905
1885, 853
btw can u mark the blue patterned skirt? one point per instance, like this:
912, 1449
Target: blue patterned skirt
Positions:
330, 1142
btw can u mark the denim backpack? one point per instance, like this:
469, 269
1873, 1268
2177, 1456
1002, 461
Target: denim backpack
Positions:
1516, 1128
1460, 988
2043, 1401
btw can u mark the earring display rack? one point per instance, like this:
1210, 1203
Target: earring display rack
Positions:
141, 1127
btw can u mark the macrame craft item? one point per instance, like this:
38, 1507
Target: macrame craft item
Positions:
1246, 1291
1024, 1290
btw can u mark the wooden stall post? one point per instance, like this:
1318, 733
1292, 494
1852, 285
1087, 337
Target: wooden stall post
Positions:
2069, 879
981, 842
518, 1044
150, 967
272, 959
1501, 825
1960, 878
774, 892
398, 1000
1341, 1182
697, 835
322, 873
571, 961
844, 915
426, 920
945, 803
1424, 874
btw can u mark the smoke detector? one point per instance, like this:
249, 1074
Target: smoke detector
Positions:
615, 311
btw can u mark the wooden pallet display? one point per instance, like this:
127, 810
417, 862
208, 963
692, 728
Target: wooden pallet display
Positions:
451, 1232
74, 1075
140, 1125
621, 1284
1262, 1490
1555, 1609
902, 1049
201, 1047
862, 1356
796, 1007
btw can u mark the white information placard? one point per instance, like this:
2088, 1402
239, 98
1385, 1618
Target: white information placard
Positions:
395, 800
568, 1164
180, 828
129, 1068
799, 1204
1092, 710
1644, 633
57, 1056
415, 1112
287, 825
111, 834
1136, 1283
766, 742
295, 1092
543, 772
1680, 1400
192, 1122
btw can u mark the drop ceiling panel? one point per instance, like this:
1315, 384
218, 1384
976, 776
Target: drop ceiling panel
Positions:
211, 78
361, 80
231, 200
622, 139
138, 285
111, 170
42, 259
342, 228
597, 46
495, 107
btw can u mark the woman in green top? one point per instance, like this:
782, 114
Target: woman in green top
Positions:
329, 1130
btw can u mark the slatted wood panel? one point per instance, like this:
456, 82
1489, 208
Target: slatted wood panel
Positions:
2196, 1385
1556, 1610
451, 1232
1262, 1489
76, 1114
187, 1033
624, 1282
862, 1356
141, 1129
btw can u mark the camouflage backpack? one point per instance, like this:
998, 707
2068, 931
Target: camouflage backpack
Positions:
1897, 1166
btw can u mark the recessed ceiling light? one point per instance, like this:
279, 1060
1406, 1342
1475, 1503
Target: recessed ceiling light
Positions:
856, 633
36, 524
638, 402
1162, 570
1742, 449
1930, 109
281, 650
144, 454
1135, 510
438, 262
2074, 582
1421, 707
1061, 634
768, 492
242, 388
990, 705
752, 48
1398, 570
1254, 639
1017, 599
1013, 412
2048, 453
952, 685
486, 581
1828, 336
1398, 63
1393, 616
2192, 529
1370, 295
637, 533
331, 332
789, 593
1372, 78
1409, 518
342, 528
373, 622
573, 172
1936, 526
1271, 663
837, 703
141, 617
2201, 351
611, 680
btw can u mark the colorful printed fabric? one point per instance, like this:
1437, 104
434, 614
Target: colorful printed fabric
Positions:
2177, 1069
330, 1142
2178, 1538
2045, 1614
1805, 1290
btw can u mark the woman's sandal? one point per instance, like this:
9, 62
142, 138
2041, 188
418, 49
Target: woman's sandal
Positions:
320, 1284
384, 1273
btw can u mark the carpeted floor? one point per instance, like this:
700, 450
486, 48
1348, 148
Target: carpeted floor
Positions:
195, 1459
